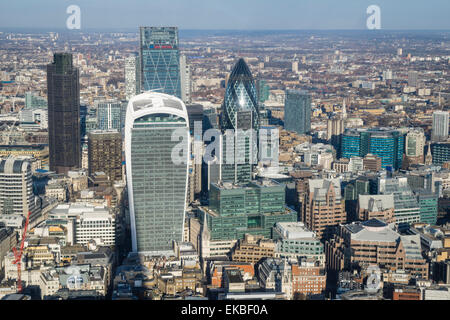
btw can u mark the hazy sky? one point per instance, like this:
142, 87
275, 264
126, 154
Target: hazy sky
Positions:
227, 14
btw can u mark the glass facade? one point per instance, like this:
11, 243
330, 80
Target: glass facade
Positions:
64, 134
428, 203
440, 153
350, 145
240, 112
109, 115
297, 111
235, 210
160, 60
387, 144
157, 183
240, 95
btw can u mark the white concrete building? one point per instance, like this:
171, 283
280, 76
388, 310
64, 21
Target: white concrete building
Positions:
89, 222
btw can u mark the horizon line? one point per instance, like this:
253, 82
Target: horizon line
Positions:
128, 29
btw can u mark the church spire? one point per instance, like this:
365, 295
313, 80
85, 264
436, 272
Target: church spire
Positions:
429, 157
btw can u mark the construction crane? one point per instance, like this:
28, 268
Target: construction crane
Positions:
18, 255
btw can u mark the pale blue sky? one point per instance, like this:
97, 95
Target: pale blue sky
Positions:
227, 14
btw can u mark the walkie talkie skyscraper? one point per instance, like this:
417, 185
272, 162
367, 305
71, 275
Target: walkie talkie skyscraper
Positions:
157, 174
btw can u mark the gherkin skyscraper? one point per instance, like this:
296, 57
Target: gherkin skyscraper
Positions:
239, 124
240, 95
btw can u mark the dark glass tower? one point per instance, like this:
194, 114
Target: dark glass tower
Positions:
297, 111
239, 112
160, 60
63, 114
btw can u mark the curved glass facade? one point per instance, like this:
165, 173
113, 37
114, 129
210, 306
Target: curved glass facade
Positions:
240, 95
157, 185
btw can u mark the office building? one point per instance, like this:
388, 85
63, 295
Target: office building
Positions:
440, 126
132, 76
308, 277
105, 153
252, 249
374, 242
295, 240
297, 111
195, 113
440, 153
428, 203
160, 60
85, 222
185, 78
413, 78
263, 90
406, 207
110, 115
36, 151
415, 146
384, 143
239, 124
253, 208
372, 162
16, 189
8, 240
33, 101
157, 180
379, 206
63, 114
335, 129
324, 206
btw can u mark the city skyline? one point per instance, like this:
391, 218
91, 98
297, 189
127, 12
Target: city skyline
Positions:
168, 164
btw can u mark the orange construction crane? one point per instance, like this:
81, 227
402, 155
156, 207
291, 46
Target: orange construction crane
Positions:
18, 255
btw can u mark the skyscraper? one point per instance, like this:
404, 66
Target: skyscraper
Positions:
335, 129
157, 174
415, 146
297, 111
412, 78
240, 113
63, 114
105, 153
160, 60
440, 126
16, 188
240, 95
132, 76
185, 78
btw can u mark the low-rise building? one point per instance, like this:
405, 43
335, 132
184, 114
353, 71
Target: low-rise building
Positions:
252, 249
379, 206
295, 240
374, 242
90, 222
308, 277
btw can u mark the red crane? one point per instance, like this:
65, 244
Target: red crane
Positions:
18, 254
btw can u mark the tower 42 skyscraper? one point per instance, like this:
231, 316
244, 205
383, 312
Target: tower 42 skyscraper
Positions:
156, 128
160, 60
63, 114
